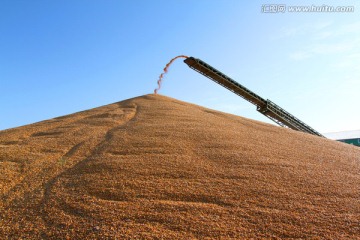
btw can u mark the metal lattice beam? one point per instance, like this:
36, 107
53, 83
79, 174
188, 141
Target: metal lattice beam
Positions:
265, 107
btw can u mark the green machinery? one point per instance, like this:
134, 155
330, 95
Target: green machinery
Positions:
266, 107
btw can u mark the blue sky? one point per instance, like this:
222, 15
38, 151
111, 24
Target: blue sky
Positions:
60, 57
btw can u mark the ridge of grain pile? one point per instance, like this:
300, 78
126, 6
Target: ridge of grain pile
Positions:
153, 167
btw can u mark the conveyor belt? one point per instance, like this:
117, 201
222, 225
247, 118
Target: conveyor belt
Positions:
266, 107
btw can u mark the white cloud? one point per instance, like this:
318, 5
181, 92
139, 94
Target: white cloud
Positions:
305, 29
300, 55
319, 30
348, 46
350, 28
344, 39
324, 34
350, 61
330, 48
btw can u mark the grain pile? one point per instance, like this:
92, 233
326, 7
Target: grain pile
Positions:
153, 167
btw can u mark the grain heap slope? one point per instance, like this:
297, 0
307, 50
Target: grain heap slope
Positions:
154, 167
